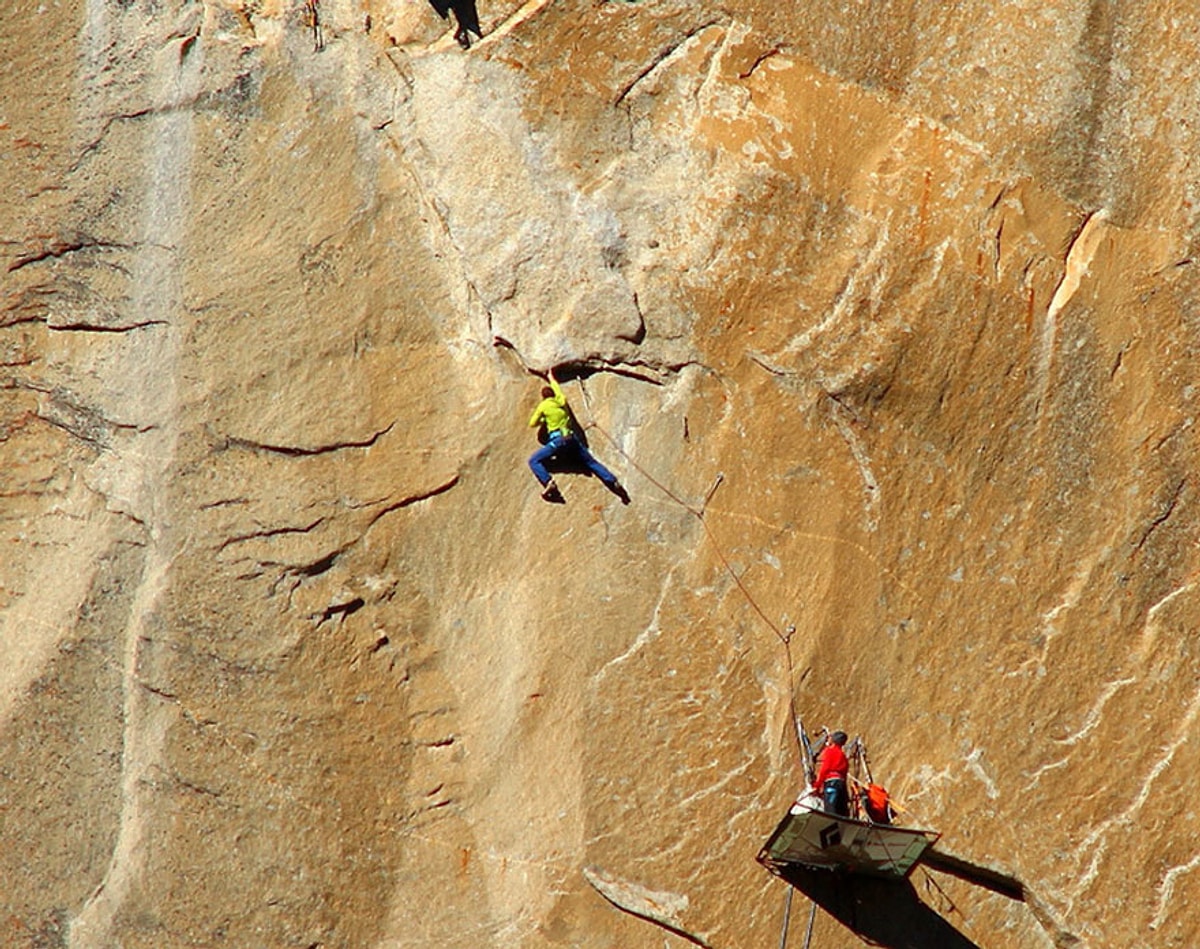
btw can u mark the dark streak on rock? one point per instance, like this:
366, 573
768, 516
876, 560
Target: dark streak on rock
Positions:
413, 499
270, 532
1166, 512
224, 502
83, 422
774, 51
759, 360
299, 451
62, 247
342, 610
662, 55
161, 693
196, 788
318, 567
95, 328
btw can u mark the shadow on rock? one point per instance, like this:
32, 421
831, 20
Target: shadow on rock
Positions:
881, 912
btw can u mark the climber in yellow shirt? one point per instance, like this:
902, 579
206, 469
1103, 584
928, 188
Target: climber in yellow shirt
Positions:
552, 412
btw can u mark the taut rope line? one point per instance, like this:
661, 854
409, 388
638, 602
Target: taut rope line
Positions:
784, 637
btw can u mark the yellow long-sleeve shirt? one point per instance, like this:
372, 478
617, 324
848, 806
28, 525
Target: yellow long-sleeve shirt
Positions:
553, 411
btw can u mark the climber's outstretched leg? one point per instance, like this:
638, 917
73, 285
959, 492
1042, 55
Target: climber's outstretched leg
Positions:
594, 466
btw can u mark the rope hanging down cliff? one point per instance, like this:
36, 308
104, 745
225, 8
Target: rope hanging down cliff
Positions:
783, 635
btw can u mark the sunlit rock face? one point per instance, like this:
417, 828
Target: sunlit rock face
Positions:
885, 315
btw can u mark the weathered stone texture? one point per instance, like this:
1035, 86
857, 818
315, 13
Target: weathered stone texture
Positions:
884, 313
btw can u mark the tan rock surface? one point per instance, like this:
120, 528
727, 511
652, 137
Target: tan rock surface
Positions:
899, 297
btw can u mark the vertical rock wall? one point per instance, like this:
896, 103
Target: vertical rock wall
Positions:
884, 313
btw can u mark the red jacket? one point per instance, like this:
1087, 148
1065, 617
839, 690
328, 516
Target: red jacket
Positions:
831, 763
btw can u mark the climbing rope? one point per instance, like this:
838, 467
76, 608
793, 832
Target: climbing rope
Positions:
812, 919
784, 637
697, 513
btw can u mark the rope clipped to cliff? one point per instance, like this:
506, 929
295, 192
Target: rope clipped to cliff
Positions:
698, 513
784, 636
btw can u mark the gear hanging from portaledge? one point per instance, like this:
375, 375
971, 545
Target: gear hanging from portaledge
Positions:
871, 800
784, 636
860, 752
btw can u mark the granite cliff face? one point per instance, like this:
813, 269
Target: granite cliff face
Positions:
885, 314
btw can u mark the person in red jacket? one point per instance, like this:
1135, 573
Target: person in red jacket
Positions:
832, 768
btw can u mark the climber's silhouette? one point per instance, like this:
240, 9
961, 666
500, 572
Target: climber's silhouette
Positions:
563, 441
466, 16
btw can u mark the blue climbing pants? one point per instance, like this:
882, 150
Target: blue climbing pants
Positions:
556, 444
837, 801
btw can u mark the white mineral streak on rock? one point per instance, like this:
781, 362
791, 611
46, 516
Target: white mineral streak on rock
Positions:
1136, 666
1079, 259
1036, 775
1096, 712
1050, 620
1089, 856
141, 377
643, 638
975, 765
872, 499
661, 907
724, 774
864, 281
1166, 889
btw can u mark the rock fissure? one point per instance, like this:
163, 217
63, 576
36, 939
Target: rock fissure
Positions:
759, 60
1161, 518
59, 248
409, 500
84, 327
270, 532
84, 422
661, 58
302, 451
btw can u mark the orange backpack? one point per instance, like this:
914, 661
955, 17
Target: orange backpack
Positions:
876, 801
